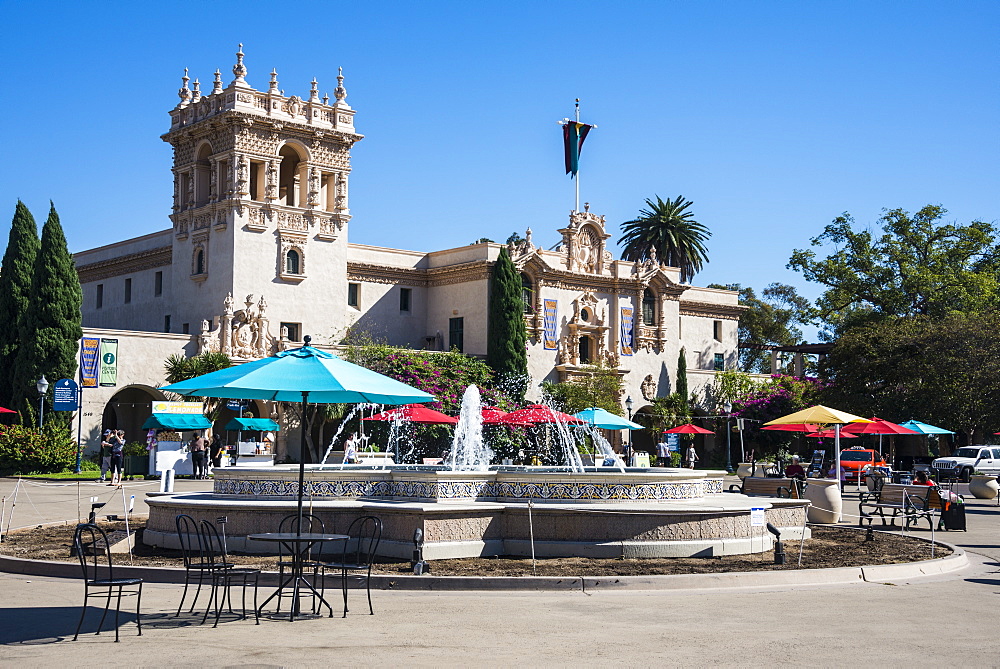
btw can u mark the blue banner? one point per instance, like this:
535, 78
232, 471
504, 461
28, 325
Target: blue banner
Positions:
551, 312
89, 348
626, 330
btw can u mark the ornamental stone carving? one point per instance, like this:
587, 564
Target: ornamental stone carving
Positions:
648, 388
243, 335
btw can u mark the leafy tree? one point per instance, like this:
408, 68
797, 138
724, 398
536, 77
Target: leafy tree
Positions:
599, 386
944, 371
180, 368
670, 229
515, 238
917, 266
50, 330
15, 291
778, 396
682, 375
772, 320
506, 338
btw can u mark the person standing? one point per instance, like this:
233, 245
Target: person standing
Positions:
105, 455
692, 456
117, 442
663, 452
198, 455
215, 451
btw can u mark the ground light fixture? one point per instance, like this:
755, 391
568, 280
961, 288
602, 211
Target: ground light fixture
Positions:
43, 387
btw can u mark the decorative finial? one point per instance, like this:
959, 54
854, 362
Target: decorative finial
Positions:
217, 85
340, 92
313, 91
586, 207
326, 99
196, 92
184, 93
273, 87
239, 69
307, 340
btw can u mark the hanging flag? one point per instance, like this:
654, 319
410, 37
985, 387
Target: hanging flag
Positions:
109, 362
626, 330
88, 361
551, 318
574, 133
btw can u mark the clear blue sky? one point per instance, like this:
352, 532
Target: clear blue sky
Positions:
773, 117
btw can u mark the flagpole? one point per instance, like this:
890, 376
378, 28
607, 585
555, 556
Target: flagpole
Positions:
577, 206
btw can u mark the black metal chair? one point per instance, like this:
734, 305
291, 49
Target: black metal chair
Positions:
359, 553
286, 561
224, 575
90, 544
195, 560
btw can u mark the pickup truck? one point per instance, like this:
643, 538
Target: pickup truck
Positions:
966, 460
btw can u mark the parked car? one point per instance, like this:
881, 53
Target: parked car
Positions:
966, 460
853, 460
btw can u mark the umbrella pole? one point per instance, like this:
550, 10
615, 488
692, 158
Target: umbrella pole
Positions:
836, 471
302, 461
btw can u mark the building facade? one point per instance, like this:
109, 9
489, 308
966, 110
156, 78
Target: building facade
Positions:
258, 256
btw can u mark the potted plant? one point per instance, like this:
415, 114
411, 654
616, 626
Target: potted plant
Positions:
983, 486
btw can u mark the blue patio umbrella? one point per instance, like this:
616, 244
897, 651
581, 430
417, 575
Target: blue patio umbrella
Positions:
301, 375
607, 420
924, 428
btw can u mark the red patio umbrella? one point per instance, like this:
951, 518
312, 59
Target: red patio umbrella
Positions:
534, 414
415, 413
877, 426
2, 410
494, 416
831, 433
688, 428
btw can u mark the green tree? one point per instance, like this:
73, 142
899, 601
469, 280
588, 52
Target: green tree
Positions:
15, 292
682, 375
917, 266
670, 229
599, 386
506, 338
50, 330
773, 319
944, 371
178, 368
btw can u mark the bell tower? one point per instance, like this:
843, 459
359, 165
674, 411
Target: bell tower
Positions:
261, 198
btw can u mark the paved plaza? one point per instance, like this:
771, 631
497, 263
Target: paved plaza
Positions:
943, 619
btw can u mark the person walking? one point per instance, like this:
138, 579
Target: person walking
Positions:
692, 456
199, 456
663, 452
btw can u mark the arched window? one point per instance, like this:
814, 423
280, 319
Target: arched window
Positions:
527, 293
648, 308
584, 350
291, 180
199, 261
203, 176
292, 263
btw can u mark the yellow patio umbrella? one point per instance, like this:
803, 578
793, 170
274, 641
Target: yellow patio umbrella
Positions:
826, 415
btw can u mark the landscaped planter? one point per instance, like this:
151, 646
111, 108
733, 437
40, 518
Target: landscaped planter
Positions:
743, 469
984, 486
826, 500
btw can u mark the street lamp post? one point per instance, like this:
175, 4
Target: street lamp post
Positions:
729, 435
628, 446
43, 387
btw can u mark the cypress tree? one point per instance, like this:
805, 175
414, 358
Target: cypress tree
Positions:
682, 376
50, 329
506, 337
16, 270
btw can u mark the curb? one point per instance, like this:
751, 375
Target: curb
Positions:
805, 577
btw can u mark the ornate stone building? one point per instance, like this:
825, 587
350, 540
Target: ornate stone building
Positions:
261, 209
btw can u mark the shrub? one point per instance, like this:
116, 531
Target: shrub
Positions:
23, 450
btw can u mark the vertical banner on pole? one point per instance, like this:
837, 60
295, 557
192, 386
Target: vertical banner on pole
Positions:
109, 362
626, 330
551, 312
89, 355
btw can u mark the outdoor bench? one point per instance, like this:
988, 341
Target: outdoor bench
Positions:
770, 487
912, 501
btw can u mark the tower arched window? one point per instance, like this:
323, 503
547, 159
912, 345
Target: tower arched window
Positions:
292, 262
648, 307
199, 261
527, 293
291, 178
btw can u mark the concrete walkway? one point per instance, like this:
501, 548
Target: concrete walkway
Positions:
947, 619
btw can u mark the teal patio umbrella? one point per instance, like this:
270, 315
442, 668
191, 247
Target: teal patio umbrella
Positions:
301, 375
607, 420
924, 428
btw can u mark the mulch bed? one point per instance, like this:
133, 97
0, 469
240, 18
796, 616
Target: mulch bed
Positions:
829, 547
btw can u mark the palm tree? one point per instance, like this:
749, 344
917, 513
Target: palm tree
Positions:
669, 228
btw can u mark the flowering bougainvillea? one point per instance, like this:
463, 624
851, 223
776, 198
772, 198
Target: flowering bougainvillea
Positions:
23, 450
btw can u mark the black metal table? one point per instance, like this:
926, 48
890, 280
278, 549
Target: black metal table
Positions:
298, 545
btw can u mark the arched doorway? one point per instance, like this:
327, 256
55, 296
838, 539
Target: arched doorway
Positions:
642, 440
128, 409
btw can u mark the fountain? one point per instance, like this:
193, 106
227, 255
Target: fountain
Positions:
469, 507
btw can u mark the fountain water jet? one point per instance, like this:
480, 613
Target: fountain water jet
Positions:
468, 450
